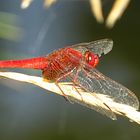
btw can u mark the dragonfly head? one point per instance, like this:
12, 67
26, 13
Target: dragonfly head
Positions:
91, 59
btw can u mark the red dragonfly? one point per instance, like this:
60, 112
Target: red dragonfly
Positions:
77, 63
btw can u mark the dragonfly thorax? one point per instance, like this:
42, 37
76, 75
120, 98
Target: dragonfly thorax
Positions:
61, 63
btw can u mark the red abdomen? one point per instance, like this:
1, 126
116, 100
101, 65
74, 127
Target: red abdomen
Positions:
31, 63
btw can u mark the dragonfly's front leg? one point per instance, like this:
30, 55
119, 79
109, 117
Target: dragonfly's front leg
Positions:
72, 77
57, 84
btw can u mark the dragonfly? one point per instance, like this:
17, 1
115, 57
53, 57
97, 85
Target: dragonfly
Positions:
77, 63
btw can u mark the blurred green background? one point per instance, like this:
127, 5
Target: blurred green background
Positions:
30, 113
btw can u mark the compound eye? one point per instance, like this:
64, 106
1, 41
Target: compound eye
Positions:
91, 59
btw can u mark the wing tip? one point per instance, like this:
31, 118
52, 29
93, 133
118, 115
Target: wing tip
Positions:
108, 45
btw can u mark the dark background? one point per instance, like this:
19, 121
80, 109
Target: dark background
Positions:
30, 113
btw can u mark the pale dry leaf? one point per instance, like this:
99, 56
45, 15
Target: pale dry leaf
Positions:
87, 98
26, 3
117, 11
48, 3
96, 7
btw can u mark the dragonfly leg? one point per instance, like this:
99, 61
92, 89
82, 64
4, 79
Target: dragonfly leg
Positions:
64, 95
57, 84
74, 85
75, 82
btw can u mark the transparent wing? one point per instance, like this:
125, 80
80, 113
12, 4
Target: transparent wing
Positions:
99, 47
100, 105
81, 80
94, 81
